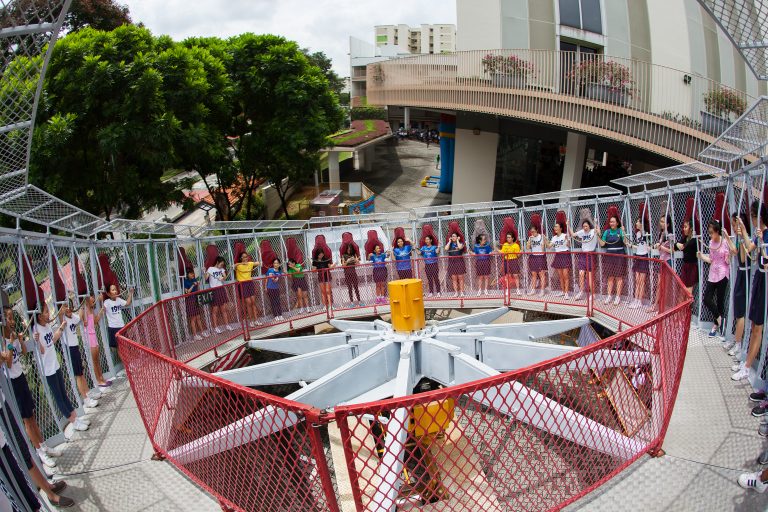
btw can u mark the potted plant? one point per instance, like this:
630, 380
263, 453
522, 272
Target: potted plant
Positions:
507, 71
720, 104
603, 80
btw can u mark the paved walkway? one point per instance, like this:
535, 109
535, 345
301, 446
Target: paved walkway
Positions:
712, 438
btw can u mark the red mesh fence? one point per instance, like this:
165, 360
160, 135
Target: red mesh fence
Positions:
534, 439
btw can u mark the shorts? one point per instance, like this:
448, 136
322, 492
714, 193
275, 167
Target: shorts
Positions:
379, 274
586, 262
247, 288
512, 266
12, 428
93, 340
191, 306
405, 273
219, 296
640, 266
77, 361
689, 274
757, 301
740, 294
299, 283
561, 260
324, 275
483, 267
23, 396
537, 263
456, 266
112, 335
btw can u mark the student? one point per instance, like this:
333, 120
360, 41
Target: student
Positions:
665, 246
456, 266
14, 348
379, 258
72, 342
739, 289
402, 255
562, 261
429, 252
191, 285
244, 276
537, 261
689, 272
349, 259
757, 298
273, 289
46, 340
640, 267
587, 236
510, 251
216, 275
91, 320
113, 307
482, 249
322, 263
298, 285
721, 249
615, 266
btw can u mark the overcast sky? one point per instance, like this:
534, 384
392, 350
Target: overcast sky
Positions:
323, 25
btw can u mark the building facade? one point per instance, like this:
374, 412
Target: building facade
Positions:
435, 38
522, 88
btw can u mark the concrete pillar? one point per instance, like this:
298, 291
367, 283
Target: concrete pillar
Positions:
361, 159
474, 171
407, 117
333, 169
370, 155
575, 158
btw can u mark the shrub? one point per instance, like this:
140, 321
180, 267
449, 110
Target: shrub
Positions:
368, 112
722, 102
511, 65
598, 71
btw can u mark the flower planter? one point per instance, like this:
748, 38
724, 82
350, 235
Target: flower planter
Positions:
715, 125
509, 81
606, 94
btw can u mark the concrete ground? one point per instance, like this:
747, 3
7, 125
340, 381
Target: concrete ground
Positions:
397, 173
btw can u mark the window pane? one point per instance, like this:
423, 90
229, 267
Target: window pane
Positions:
590, 15
569, 13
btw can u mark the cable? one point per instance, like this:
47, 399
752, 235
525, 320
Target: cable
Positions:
60, 476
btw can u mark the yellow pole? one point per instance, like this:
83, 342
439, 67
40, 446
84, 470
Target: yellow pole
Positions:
406, 299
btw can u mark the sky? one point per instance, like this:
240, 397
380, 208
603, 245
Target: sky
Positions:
321, 25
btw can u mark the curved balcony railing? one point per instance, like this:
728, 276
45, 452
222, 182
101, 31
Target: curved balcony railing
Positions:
494, 450
657, 108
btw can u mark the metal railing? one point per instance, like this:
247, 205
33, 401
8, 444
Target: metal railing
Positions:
657, 108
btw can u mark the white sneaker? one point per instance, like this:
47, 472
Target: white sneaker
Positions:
53, 451
217, 330
198, 337
69, 431
531, 291
95, 394
90, 402
634, 304
728, 345
738, 366
45, 458
84, 419
734, 350
617, 301
541, 292
251, 324
49, 471
206, 334
753, 481
743, 373
558, 293
607, 300
230, 328
579, 296
486, 292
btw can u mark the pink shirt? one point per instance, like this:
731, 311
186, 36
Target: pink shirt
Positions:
720, 267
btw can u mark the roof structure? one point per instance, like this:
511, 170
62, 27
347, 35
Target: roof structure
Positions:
689, 171
562, 195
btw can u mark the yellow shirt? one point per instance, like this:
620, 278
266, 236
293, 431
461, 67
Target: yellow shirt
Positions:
243, 271
510, 251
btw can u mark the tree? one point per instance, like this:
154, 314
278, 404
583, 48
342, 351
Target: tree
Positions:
98, 14
322, 61
117, 111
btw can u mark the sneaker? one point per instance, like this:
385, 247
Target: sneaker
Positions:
52, 451
217, 330
579, 296
486, 292
531, 291
541, 292
90, 402
63, 502
752, 481
45, 458
95, 394
728, 345
713, 332
742, 373
69, 431
763, 429
759, 396
230, 328
104, 387
558, 293
607, 300
84, 419
80, 425
737, 366
49, 471
198, 337
734, 350
760, 410
634, 304
763, 458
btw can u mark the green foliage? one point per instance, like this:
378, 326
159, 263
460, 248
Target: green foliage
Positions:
98, 14
344, 98
368, 112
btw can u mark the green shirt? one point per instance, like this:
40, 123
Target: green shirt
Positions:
297, 271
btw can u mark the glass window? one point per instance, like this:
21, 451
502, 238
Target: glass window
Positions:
583, 14
570, 13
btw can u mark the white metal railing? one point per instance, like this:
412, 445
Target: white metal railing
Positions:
654, 107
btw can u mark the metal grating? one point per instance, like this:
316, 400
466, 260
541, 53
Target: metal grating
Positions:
746, 138
451, 209
745, 22
692, 170
577, 193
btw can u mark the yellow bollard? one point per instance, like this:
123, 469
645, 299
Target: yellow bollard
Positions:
407, 305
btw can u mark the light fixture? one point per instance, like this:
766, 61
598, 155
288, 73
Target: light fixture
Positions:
687, 79
476, 131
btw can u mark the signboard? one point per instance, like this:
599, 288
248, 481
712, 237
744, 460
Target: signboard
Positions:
363, 207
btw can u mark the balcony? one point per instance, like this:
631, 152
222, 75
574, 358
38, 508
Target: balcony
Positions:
658, 109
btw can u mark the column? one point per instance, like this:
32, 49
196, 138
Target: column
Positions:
407, 117
474, 171
370, 154
575, 157
333, 169
447, 151
362, 159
